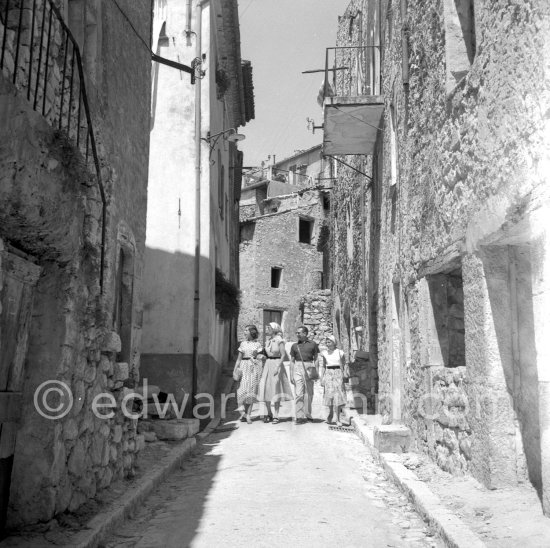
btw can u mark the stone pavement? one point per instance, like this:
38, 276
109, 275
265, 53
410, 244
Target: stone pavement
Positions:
276, 485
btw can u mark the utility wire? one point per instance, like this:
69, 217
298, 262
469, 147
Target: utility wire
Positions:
245, 9
132, 26
356, 117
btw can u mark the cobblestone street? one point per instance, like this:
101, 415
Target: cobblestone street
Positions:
276, 485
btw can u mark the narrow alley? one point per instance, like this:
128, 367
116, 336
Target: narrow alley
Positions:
343, 202
276, 485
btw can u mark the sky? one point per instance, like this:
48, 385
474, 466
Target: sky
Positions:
282, 38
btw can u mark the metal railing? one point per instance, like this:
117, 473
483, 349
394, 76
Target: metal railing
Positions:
41, 57
352, 71
291, 177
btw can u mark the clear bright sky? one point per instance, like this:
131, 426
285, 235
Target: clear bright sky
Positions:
282, 38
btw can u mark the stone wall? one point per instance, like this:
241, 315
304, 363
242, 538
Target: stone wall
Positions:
449, 443
51, 210
317, 314
354, 231
468, 181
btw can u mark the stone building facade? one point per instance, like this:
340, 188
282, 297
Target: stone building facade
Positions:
283, 242
194, 186
456, 201
74, 141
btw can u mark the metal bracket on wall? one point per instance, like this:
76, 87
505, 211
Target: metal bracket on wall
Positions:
194, 70
348, 165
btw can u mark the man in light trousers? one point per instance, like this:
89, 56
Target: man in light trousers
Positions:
303, 354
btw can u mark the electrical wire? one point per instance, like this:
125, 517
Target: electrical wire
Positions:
357, 118
245, 9
132, 26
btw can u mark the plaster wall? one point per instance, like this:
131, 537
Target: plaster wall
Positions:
171, 223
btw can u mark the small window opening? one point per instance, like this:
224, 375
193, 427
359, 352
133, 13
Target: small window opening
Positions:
124, 291
446, 338
305, 231
393, 196
276, 276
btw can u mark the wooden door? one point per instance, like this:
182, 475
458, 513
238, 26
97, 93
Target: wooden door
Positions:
271, 316
18, 276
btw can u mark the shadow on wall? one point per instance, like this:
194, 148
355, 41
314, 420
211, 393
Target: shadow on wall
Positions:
509, 274
167, 340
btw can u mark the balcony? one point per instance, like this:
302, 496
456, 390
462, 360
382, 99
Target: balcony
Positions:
352, 100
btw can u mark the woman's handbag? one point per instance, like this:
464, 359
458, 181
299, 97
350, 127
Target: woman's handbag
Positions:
237, 374
311, 372
345, 369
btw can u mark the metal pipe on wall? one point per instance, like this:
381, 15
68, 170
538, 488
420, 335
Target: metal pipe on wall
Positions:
198, 159
404, 43
188, 22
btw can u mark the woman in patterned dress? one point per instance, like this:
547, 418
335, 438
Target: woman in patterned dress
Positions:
251, 368
332, 379
274, 384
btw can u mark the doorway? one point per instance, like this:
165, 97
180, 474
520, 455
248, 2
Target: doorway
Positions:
19, 276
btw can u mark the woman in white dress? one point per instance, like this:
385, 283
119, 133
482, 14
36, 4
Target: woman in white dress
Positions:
274, 384
332, 372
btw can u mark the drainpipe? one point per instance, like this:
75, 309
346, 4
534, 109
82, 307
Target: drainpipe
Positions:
198, 144
404, 43
188, 31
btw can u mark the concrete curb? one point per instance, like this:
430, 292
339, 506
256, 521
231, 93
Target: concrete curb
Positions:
454, 532
105, 522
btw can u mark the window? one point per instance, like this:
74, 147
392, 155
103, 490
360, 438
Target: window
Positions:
247, 231
393, 219
446, 320
124, 294
276, 276
305, 230
460, 39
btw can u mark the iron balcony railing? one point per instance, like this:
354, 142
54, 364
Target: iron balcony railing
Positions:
291, 177
352, 71
40, 56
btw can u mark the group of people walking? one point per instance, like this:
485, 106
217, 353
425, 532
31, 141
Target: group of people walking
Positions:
262, 376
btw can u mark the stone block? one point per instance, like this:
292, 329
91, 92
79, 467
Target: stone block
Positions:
117, 433
127, 462
121, 371
111, 342
392, 438
90, 374
149, 437
170, 429
193, 425
77, 460
144, 426
140, 442
70, 430
151, 389
106, 364
104, 430
98, 441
